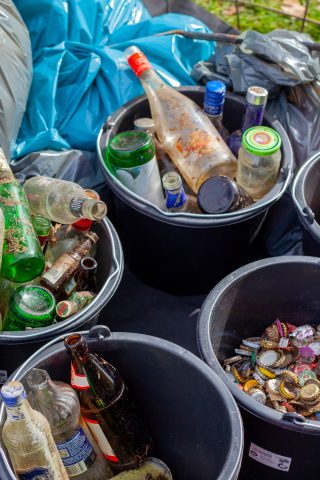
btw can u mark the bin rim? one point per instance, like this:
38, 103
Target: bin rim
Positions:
103, 333
305, 213
77, 320
289, 421
190, 219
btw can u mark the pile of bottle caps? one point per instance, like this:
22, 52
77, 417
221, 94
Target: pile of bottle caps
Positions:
281, 369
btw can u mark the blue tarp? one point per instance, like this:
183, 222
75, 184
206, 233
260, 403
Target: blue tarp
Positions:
80, 74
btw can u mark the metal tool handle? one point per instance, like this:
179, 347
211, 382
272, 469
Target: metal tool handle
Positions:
300, 421
306, 212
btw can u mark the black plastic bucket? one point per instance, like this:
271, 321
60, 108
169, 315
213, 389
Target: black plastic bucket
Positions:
194, 421
16, 347
277, 446
306, 197
185, 253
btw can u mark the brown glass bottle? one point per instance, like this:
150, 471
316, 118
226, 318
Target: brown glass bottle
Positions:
68, 263
107, 407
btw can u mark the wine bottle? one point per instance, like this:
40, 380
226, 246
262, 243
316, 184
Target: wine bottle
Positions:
188, 136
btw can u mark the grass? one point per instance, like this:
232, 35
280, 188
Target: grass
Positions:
262, 20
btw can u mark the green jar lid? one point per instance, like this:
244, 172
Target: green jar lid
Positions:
261, 141
130, 149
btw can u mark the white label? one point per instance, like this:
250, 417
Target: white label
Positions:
79, 382
273, 460
101, 440
284, 342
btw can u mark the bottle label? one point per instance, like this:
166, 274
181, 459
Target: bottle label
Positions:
70, 286
35, 473
214, 110
101, 440
77, 454
78, 381
175, 200
59, 269
139, 63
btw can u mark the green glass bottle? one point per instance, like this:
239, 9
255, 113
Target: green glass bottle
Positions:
42, 226
22, 256
30, 306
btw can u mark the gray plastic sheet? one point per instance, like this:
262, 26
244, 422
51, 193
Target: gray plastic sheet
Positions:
15, 73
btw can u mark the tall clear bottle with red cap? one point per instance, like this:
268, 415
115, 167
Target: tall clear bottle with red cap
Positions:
184, 130
107, 408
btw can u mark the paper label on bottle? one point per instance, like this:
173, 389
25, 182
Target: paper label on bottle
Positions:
273, 460
175, 200
77, 454
70, 286
55, 273
78, 381
139, 63
35, 473
101, 440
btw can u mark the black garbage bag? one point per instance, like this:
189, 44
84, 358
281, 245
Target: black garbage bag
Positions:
280, 62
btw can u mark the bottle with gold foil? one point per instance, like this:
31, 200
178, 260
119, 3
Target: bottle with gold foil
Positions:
68, 263
107, 407
22, 256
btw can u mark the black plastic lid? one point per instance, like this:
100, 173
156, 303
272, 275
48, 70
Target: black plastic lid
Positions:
217, 195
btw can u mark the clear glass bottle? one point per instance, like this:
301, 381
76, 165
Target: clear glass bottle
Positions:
185, 132
222, 195
30, 306
152, 469
256, 100
28, 439
214, 98
176, 198
68, 263
132, 158
64, 239
259, 161
107, 407
22, 258
62, 201
59, 403
74, 304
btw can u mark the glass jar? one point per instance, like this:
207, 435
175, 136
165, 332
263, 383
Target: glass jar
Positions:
259, 161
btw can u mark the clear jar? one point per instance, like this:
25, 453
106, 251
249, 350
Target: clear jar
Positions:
259, 161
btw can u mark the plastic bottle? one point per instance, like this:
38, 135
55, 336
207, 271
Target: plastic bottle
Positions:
186, 133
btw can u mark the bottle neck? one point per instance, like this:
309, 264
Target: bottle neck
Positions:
88, 208
151, 80
20, 412
217, 120
253, 116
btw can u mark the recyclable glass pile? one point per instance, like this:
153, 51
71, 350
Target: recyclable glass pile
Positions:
184, 160
48, 271
280, 369
90, 430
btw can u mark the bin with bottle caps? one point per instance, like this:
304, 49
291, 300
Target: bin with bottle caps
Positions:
167, 383
185, 252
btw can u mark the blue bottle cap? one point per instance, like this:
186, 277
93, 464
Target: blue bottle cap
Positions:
13, 393
214, 97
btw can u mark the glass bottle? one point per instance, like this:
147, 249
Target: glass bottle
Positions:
86, 274
28, 439
144, 124
256, 100
42, 226
107, 407
214, 98
132, 158
67, 264
59, 403
22, 258
259, 161
185, 132
152, 469
62, 201
221, 195
64, 239
176, 198
30, 306
76, 302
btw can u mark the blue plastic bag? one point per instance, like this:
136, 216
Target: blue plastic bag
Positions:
80, 74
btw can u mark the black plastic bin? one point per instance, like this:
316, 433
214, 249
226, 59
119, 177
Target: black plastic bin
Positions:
242, 305
306, 197
194, 421
185, 253
16, 347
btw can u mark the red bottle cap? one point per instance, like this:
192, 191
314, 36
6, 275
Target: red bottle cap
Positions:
139, 63
83, 224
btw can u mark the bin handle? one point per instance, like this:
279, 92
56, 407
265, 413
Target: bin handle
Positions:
299, 420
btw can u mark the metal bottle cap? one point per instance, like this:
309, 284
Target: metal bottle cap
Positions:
217, 195
13, 393
257, 95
